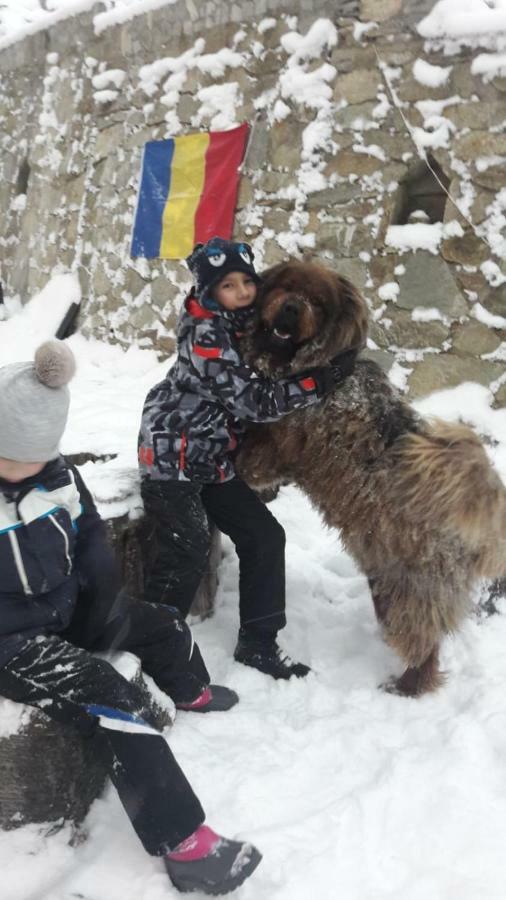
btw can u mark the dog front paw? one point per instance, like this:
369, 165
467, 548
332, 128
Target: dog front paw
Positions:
393, 685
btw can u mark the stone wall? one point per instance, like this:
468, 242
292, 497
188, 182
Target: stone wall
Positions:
333, 163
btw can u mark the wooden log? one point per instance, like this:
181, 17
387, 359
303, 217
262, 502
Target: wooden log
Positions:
133, 541
134, 544
48, 772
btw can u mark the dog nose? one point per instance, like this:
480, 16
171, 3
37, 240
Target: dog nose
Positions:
290, 311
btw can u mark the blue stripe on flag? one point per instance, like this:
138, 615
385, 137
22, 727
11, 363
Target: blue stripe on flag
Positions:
153, 192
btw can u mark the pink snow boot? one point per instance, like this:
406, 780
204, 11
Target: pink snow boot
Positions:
209, 863
214, 698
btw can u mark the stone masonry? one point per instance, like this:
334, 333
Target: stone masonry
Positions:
333, 169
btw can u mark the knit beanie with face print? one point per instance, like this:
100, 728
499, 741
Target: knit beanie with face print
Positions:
34, 404
210, 262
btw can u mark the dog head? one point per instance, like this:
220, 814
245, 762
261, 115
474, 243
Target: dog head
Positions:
307, 314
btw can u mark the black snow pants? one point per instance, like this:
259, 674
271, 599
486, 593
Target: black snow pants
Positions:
81, 690
180, 511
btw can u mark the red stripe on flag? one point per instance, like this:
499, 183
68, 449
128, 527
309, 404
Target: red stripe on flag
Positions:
215, 212
207, 352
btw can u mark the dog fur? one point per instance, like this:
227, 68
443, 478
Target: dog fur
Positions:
417, 503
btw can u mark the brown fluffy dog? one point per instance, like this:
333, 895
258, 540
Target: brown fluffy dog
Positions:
418, 504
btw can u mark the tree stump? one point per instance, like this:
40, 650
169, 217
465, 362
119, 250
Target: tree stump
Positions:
134, 544
48, 772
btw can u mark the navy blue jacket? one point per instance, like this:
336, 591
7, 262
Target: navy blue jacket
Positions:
193, 419
53, 549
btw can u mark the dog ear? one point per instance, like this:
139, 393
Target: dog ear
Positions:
353, 314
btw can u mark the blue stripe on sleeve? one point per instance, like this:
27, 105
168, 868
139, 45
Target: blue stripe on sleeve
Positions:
44, 515
111, 718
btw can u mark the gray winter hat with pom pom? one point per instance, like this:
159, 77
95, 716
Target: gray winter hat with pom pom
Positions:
34, 404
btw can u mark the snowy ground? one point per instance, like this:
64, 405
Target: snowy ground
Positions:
349, 792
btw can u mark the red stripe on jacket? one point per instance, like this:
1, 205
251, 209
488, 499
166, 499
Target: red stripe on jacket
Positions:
146, 456
182, 451
207, 352
194, 308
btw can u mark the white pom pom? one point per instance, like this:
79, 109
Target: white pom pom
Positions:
54, 363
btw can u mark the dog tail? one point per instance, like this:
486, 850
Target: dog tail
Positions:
444, 473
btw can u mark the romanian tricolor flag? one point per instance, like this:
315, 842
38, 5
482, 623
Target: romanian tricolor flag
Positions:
188, 192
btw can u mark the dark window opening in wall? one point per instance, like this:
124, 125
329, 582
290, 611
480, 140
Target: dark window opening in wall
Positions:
23, 177
421, 198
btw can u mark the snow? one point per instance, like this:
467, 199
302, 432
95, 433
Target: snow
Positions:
493, 273
389, 291
361, 28
218, 106
13, 716
121, 11
431, 76
421, 236
388, 798
465, 20
348, 792
399, 375
427, 314
38, 320
337, 782
320, 35
489, 65
436, 133
266, 25
215, 64
483, 163
480, 313
103, 79
309, 88
105, 96
280, 111
19, 18
471, 403
150, 75
370, 150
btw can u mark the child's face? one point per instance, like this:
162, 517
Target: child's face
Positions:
10, 470
235, 291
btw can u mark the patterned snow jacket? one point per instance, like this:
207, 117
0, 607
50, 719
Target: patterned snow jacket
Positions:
53, 548
193, 419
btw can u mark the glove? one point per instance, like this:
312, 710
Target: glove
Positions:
337, 370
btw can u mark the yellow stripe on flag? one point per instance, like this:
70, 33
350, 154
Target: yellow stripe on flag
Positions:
187, 175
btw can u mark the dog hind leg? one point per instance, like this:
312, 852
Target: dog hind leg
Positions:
415, 640
418, 680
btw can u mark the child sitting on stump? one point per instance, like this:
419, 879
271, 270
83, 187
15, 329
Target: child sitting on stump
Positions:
59, 600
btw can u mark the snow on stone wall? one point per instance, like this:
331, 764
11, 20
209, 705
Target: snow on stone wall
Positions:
346, 100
